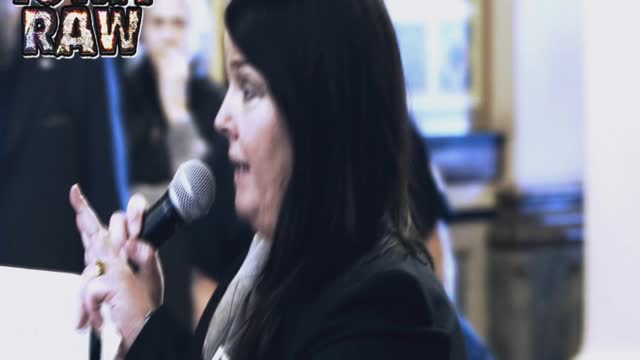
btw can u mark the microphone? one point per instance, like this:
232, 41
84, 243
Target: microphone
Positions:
188, 198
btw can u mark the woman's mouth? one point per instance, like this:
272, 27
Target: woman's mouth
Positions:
240, 170
239, 166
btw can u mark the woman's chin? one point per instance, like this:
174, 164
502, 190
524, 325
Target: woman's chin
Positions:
244, 209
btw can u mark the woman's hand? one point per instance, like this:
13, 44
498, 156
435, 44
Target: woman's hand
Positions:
109, 279
130, 296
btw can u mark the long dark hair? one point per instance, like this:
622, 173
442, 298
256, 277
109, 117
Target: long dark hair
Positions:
334, 70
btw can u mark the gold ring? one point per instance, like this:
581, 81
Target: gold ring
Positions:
101, 268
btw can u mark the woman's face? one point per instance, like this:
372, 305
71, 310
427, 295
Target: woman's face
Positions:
259, 145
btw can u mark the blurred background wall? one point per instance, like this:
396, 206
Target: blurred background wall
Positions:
611, 77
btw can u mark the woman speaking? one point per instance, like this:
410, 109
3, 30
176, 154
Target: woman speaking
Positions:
319, 136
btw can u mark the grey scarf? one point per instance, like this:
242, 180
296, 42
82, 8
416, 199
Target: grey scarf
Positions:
227, 318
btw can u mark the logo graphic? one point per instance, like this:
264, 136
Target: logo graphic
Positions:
101, 28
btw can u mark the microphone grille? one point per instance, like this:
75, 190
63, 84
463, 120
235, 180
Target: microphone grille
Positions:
192, 190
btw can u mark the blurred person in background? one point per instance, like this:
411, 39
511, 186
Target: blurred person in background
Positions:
59, 124
170, 111
430, 213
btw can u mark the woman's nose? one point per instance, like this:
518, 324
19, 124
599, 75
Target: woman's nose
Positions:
223, 122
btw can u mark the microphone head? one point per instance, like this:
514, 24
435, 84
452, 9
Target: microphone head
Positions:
192, 190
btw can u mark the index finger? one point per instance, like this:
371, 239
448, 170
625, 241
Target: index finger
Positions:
135, 211
87, 221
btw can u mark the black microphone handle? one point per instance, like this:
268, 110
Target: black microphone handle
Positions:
160, 222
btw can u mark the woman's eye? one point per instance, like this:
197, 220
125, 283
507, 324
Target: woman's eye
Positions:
248, 92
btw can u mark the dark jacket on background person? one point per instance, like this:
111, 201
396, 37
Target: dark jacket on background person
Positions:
55, 131
389, 305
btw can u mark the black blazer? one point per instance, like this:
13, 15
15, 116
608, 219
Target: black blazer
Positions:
389, 306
